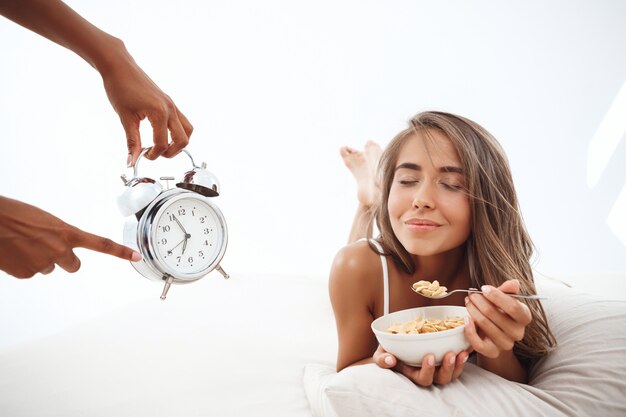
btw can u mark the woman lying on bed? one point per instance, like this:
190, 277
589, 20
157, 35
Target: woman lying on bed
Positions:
443, 199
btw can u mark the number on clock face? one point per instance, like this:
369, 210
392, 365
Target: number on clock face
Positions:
188, 235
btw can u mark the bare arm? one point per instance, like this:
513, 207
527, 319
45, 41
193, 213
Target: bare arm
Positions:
506, 365
133, 95
57, 22
497, 321
34, 241
350, 296
353, 278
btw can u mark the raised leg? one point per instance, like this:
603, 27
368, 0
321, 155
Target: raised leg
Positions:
363, 166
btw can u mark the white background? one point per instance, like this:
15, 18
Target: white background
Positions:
273, 89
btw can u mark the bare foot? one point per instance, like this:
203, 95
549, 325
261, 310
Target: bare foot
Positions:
360, 164
373, 151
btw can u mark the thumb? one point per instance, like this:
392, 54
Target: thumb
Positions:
133, 138
82, 239
510, 287
383, 359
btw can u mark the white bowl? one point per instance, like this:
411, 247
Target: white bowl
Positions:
411, 348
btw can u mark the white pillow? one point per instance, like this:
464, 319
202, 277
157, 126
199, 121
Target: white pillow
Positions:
585, 375
368, 390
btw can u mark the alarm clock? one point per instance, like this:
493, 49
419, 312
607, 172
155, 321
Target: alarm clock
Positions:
180, 232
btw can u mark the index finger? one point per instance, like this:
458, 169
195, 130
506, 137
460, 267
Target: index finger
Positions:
509, 305
82, 239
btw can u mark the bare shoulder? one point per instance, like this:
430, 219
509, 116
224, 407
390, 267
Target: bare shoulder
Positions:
357, 258
356, 268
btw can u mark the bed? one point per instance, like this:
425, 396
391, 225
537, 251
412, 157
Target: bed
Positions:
265, 346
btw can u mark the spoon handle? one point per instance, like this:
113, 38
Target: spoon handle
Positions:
526, 296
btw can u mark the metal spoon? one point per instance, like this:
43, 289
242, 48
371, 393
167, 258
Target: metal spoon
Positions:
474, 290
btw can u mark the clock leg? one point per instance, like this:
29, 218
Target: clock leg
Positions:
221, 271
168, 283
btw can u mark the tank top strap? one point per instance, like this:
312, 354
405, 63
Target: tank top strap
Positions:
383, 261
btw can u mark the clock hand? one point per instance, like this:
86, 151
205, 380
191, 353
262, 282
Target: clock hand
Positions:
169, 252
180, 225
187, 236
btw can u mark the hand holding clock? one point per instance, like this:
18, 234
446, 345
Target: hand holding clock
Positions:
133, 95
32, 241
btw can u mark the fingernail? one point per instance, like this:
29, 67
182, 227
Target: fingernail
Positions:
129, 160
466, 320
136, 257
452, 360
466, 300
465, 358
486, 289
431, 361
389, 360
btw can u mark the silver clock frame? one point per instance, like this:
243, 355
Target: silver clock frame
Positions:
139, 234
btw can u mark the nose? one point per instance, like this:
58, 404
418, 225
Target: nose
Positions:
423, 198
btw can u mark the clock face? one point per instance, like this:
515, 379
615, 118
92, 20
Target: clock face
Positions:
188, 236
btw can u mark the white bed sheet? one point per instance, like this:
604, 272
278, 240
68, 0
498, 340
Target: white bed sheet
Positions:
215, 348
235, 348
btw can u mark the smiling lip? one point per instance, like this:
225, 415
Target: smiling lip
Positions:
421, 225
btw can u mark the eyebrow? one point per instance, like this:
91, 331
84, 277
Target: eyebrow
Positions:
416, 167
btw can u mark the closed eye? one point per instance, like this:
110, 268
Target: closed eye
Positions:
452, 186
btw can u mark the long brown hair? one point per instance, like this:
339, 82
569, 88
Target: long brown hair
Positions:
499, 247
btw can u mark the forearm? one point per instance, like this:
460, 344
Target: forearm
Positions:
361, 362
352, 355
57, 22
506, 365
